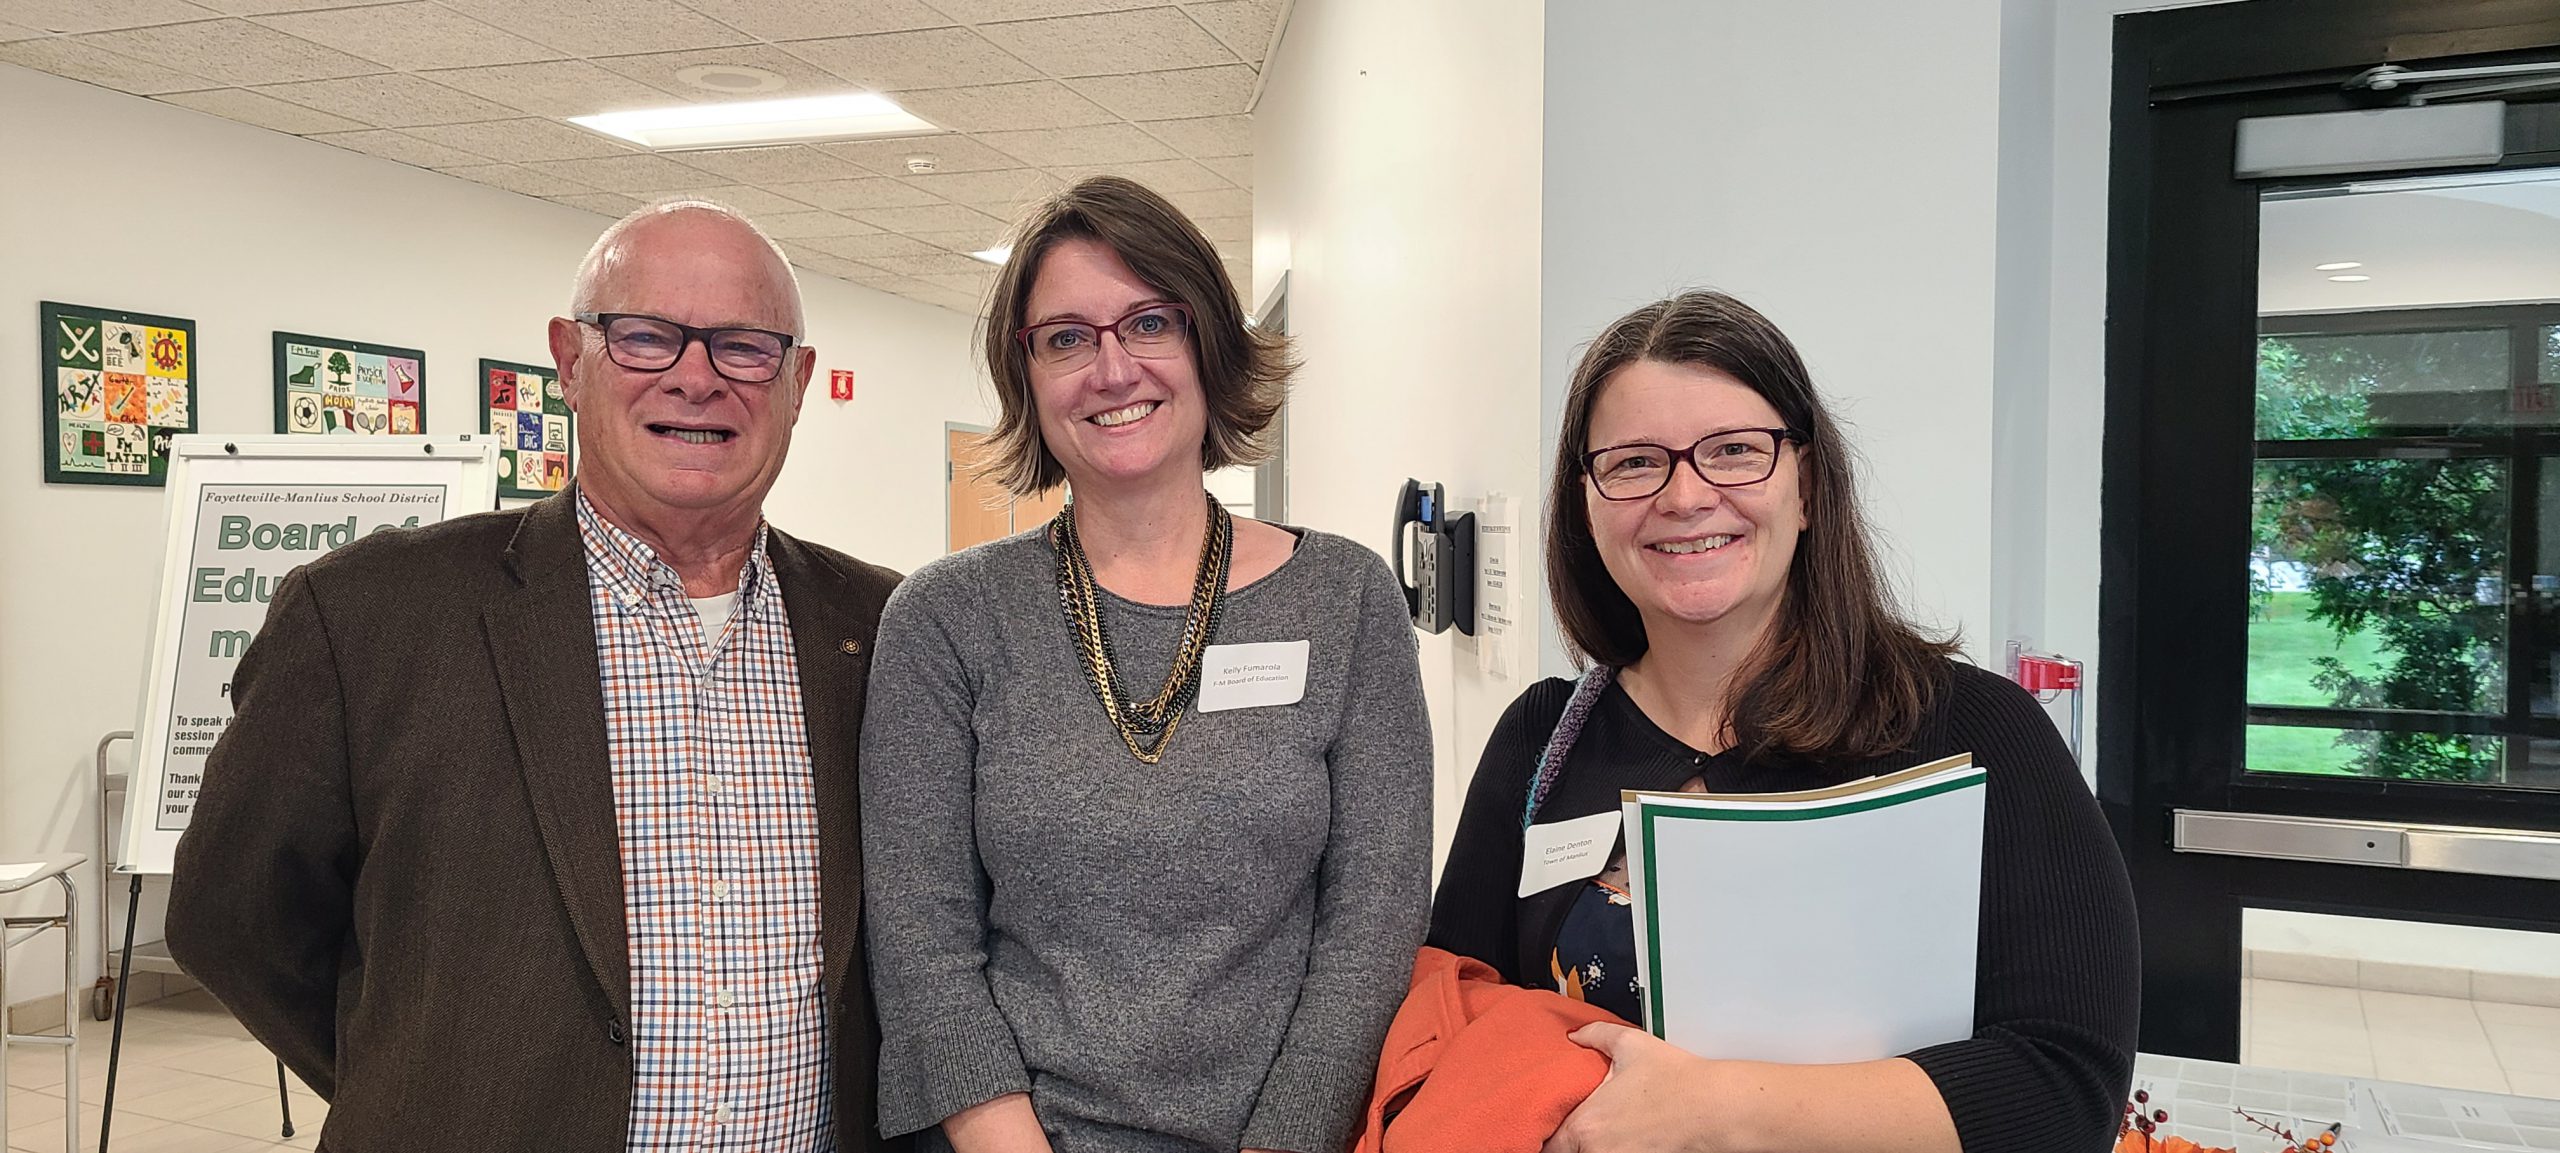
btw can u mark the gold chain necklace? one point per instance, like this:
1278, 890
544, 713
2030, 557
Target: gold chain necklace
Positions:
1146, 727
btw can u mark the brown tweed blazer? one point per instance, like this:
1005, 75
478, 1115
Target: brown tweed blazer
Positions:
402, 872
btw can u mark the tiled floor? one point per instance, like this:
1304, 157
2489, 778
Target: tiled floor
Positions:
194, 1083
191, 1082
2443, 1041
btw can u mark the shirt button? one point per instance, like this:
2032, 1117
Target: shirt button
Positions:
727, 998
720, 1114
719, 785
719, 890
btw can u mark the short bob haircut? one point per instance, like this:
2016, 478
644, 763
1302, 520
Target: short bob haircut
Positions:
1842, 673
1244, 371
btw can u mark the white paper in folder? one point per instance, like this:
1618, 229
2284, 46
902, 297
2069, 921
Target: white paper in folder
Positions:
1816, 927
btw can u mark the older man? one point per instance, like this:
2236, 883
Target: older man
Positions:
536, 830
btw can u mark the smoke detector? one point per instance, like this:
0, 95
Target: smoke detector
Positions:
923, 163
730, 79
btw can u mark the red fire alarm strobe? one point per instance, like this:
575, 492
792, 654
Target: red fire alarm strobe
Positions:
840, 384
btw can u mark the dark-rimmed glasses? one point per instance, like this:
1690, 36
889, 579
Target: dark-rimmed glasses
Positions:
644, 343
1733, 458
1152, 332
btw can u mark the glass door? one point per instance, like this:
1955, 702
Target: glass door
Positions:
2331, 581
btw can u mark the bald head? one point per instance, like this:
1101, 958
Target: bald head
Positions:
696, 232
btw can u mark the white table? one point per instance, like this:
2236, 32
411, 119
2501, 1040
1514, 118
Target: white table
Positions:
15, 931
2206, 1102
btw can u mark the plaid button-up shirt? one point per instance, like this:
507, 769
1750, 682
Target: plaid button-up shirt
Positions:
718, 825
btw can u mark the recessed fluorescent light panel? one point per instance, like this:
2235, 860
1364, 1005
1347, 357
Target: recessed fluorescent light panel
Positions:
2340, 266
2350, 279
996, 255
739, 123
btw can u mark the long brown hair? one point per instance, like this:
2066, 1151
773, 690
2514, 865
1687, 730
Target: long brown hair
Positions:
1244, 371
1842, 672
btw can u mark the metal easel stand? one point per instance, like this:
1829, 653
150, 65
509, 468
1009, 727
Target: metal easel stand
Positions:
107, 996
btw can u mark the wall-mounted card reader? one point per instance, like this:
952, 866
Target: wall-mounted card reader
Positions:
1442, 588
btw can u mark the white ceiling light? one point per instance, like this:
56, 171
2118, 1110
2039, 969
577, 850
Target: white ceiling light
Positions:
758, 122
996, 255
2350, 279
2340, 266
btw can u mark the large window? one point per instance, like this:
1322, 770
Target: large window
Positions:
2404, 617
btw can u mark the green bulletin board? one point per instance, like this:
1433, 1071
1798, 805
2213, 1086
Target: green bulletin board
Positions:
117, 386
348, 387
529, 416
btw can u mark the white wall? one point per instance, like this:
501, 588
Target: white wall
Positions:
246, 231
1396, 184
1834, 163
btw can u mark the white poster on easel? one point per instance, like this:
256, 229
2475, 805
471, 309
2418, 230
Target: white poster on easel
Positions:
243, 512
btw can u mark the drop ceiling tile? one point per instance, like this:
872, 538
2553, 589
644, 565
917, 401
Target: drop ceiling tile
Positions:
410, 36
1092, 144
745, 198
637, 172
9, 32
270, 7
871, 247
991, 107
803, 225
931, 58
401, 147
955, 302
925, 218
1165, 176
990, 11
867, 192
811, 19
951, 153
1012, 186
518, 178
1207, 136
658, 70
389, 100
964, 243
776, 164
233, 52
99, 15
1213, 202
587, 27
851, 272
613, 204
932, 264
561, 88
258, 108
1221, 91
1244, 26
971, 283
1236, 168
1110, 43
94, 65
523, 140
1227, 228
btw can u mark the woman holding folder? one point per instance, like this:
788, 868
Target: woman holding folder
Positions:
1707, 558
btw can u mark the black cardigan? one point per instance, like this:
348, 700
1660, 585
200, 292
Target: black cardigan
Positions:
2058, 991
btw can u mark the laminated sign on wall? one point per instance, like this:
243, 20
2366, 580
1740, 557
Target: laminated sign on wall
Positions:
243, 512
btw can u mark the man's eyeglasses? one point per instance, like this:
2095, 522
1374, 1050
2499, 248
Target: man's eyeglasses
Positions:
1155, 332
645, 343
1730, 459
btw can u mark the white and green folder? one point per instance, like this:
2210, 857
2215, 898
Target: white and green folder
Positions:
1815, 927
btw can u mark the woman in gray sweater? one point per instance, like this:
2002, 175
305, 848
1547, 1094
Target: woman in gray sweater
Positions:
1146, 791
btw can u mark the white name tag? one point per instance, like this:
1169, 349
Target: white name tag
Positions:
1575, 850
1252, 676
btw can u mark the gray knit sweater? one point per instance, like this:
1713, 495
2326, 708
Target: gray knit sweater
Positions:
1201, 954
